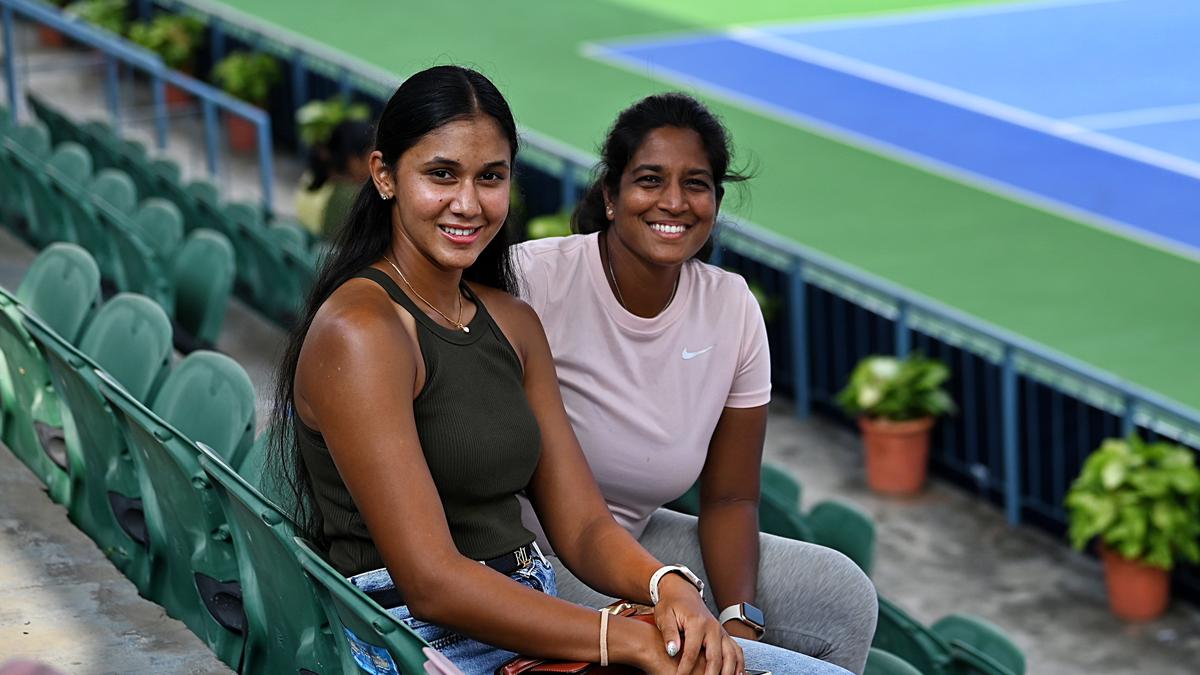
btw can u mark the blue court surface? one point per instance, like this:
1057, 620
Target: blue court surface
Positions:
1089, 107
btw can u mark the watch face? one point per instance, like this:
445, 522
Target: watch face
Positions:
753, 614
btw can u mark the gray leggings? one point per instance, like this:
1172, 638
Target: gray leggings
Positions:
816, 600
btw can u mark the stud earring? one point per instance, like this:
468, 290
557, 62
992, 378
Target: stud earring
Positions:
384, 197
609, 212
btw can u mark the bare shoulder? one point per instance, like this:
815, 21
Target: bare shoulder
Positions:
505, 307
356, 315
516, 319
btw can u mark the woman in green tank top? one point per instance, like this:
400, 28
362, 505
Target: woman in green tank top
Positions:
423, 398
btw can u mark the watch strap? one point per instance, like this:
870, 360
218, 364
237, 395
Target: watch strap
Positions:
682, 571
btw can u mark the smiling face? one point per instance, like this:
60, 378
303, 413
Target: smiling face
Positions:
451, 191
667, 202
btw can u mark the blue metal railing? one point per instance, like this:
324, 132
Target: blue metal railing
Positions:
116, 51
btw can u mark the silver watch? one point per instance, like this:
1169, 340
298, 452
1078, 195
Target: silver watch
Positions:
679, 569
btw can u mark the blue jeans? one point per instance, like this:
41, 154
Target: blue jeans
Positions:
471, 656
476, 658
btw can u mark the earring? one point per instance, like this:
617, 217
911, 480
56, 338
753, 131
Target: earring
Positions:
384, 197
609, 211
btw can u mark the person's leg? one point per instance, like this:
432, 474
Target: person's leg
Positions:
816, 600
780, 661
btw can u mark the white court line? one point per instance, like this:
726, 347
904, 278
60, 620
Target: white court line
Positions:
922, 15
1140, 117
893, 152
962, 99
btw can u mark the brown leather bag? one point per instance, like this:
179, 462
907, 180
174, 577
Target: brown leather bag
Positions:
526, 664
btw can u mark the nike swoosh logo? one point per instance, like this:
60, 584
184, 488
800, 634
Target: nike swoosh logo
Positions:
688, 356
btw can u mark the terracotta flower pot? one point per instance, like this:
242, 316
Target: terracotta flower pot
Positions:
897, 454
176, 97
1136, 591
48, 37
243, 137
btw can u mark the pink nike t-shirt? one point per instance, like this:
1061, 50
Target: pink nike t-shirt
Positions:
644, 395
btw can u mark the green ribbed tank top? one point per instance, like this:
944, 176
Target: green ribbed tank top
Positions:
479, 435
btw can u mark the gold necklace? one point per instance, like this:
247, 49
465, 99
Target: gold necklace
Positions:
457, 324
617, 287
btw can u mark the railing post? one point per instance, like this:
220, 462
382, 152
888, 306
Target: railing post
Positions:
10, 62
159, 90
212, 135
1012, 458
299, 89
112, 88
216, 39
567, 185
1129, 417
903, 332
266, 170
798, 311
717, 257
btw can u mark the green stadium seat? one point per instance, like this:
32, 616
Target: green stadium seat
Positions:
905, 637
880, 662
246, 230
202, 275
286, 628
70, 163
161, 225
844, 528
63, 287
348, 609
112, 192
980, 644
129, 339
207, 397
31, 141
782, 519
780, 484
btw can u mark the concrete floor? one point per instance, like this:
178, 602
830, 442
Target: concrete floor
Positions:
939, 553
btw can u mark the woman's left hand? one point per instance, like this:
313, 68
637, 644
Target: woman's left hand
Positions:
680, 614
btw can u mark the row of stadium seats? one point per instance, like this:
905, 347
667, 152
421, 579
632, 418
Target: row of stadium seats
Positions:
139, 247
275, 259
159, 465
957, 644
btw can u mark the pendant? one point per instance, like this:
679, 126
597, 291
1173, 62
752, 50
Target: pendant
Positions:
466, 329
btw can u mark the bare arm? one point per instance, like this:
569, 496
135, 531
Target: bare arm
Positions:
357, 374
729, 495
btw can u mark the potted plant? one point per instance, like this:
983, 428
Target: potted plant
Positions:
249, 77
175, 38
896, 402
109, 15
317, 119
1141, 501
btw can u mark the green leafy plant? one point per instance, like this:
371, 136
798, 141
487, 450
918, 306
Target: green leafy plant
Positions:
174, 37
897, 389
248, 76
110, 15
317, 119
1141, 499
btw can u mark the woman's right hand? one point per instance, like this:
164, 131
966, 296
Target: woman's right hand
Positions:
640, 645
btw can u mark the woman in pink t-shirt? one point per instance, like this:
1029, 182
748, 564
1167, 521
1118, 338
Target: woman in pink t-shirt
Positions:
664, 369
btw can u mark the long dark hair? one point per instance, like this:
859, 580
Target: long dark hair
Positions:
671, 109
424, 102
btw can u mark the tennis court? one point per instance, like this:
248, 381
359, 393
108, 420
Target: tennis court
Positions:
1086, 106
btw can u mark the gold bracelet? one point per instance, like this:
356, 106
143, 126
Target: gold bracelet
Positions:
603, 638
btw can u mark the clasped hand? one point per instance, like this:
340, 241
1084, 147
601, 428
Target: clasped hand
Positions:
691, 634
